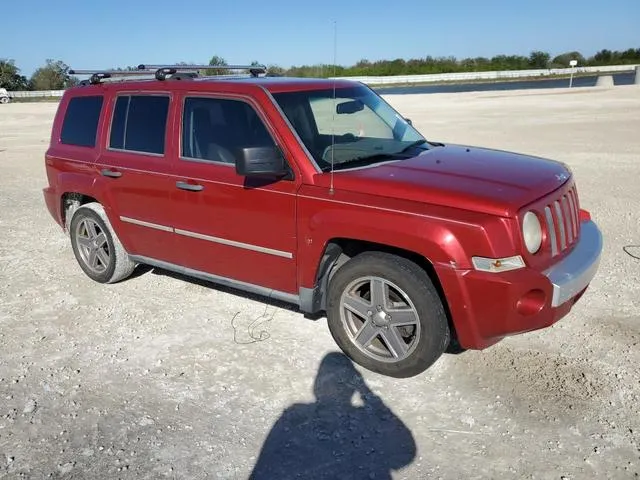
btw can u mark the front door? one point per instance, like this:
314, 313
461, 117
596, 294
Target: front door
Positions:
226, 224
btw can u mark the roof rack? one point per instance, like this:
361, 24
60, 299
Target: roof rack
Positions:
97, 76
253, 69
160, 72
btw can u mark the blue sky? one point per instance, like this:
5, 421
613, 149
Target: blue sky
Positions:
112, 33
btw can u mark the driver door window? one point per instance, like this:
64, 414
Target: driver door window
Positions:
214, 129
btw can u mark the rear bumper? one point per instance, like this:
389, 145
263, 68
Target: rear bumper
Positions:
52, 202
487, 307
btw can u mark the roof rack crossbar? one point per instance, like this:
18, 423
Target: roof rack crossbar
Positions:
96, 76
147, 66
254, 70
110, 72
161, 71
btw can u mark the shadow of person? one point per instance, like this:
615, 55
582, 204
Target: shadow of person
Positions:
333, 437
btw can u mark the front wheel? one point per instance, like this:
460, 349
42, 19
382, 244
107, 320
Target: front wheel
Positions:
385, 314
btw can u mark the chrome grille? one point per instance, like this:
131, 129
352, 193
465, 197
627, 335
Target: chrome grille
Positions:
560, 224
563, 221
569, 217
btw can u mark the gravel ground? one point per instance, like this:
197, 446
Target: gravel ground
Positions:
163, 377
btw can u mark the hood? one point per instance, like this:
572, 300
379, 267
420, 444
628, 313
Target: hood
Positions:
476, 179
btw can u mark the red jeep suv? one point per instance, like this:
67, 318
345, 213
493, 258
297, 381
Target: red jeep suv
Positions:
317, 192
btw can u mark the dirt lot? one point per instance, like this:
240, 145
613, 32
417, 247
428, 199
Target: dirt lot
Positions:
160, 377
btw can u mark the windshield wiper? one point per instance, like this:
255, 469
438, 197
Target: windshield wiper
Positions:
377, 157
365, 160
417, 143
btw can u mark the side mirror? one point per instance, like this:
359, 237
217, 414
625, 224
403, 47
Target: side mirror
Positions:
261, 162
408, 120
351, 106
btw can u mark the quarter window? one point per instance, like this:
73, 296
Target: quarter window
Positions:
80, 125
139, 123
214, 129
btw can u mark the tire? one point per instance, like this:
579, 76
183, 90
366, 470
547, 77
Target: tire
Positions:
418, 342
97, 247
4, 99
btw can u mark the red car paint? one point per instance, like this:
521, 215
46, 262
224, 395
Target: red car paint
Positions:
445, 205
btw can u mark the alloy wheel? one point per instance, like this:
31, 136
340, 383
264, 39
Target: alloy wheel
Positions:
92, 245
380, 319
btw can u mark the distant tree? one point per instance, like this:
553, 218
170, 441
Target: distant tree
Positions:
428, 65
276, 70
603, 57
630, 55
614, 57
539, 59
562, 60
53, 76
413, 66
363, 64
10, 77
510, 62
477, 64
218, 62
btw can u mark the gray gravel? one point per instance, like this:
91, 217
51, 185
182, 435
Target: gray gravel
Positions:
163, 377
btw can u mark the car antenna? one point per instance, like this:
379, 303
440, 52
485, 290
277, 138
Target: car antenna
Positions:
333, 109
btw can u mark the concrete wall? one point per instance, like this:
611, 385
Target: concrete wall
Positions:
496, 75
37, 94
437, 77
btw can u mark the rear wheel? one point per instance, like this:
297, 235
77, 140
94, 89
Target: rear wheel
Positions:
385, 314
97, 247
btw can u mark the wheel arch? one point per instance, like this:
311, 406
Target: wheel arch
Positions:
70, 202
339, 250
77, 189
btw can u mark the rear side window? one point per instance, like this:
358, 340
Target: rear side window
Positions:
139, 123
80, 125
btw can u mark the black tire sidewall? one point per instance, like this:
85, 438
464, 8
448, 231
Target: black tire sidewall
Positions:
79, 215
415, 282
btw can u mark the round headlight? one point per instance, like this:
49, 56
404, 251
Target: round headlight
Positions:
532, 232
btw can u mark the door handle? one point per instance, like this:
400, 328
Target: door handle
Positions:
189, 186
105, 172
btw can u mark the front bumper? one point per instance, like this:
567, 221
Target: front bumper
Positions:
573, 274
486, 307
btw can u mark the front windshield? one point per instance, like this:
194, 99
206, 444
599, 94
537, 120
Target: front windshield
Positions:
357, 128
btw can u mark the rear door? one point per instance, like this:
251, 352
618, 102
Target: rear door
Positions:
228, 225
135, 171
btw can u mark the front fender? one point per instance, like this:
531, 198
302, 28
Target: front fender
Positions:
438, 240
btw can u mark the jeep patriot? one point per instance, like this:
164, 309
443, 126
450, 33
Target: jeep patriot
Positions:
318, 193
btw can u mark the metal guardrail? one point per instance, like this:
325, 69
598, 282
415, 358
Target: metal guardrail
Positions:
425, 78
